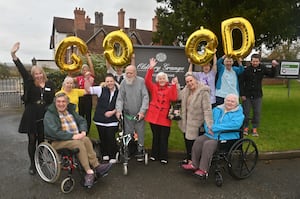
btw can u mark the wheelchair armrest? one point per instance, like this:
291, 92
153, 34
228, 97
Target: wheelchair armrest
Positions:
230, 131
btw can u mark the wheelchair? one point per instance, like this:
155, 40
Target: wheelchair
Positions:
49, 163
238, 157
123, 142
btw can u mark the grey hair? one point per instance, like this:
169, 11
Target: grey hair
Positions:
234, 96
67, 79
161, 74
61, 94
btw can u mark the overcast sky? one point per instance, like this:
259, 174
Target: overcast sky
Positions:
30, 21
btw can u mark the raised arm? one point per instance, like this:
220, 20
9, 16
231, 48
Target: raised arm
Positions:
133, 59
109, 68
14, 50
150, 71
90, 63
214, 66
25, 75
190, 66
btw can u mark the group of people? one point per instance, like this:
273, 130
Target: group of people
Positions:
207, 102
227, 114
49, 114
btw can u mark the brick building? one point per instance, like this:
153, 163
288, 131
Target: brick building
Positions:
94, 33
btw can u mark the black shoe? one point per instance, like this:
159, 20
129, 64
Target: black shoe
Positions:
140, 156
152, 158
89, 180
164, 162
102, 169
32, 170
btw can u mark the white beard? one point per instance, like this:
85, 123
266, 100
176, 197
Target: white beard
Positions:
129, 81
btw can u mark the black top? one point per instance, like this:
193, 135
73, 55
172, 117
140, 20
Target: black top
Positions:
104, 105
36, 100
251, 80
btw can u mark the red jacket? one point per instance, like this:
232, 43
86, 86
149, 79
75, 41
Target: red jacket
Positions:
161, 97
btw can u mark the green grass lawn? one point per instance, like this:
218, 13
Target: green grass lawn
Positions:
279, 129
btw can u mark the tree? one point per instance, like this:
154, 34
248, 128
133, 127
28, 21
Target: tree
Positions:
286, 51
273, 21
4, 71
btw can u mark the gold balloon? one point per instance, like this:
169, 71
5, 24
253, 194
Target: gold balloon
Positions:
248, 38
191, 47
110, 42
60, 53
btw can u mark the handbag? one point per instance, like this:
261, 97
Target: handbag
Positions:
175, 111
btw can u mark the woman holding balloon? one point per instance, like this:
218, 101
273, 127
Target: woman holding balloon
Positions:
207, 76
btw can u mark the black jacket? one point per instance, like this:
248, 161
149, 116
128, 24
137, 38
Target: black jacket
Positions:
251, 80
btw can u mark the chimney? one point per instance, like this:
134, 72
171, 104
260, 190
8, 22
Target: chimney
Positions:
79, 20
121, 16
99, 18
87, 20
132, 24
98, 21
154, 24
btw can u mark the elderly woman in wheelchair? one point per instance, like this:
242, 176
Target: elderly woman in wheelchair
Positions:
228, 118
67, 129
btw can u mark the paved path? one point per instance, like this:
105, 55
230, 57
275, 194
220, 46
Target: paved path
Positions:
271, 179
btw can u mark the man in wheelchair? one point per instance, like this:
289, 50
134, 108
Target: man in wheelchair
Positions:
227, 116
68, 129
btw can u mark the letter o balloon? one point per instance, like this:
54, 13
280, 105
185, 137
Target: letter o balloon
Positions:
118, 38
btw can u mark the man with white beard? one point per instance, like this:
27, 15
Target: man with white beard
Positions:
132, 103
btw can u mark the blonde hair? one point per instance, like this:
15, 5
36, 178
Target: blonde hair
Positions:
83, 67
38, 68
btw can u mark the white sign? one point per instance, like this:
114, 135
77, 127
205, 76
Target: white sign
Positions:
289, 68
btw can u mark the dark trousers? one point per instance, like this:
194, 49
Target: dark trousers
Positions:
219, 101
34, 139
255, 104
160, 141
188, 146
85, 106
108, 144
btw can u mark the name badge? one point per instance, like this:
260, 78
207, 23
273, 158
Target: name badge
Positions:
47, 89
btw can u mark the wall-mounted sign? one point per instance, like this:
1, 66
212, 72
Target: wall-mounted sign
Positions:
171, 60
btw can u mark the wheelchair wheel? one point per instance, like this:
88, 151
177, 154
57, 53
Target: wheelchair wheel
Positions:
47, 162
219, 179
118, 158
67, 185
146, 158
242, 158
125, 169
